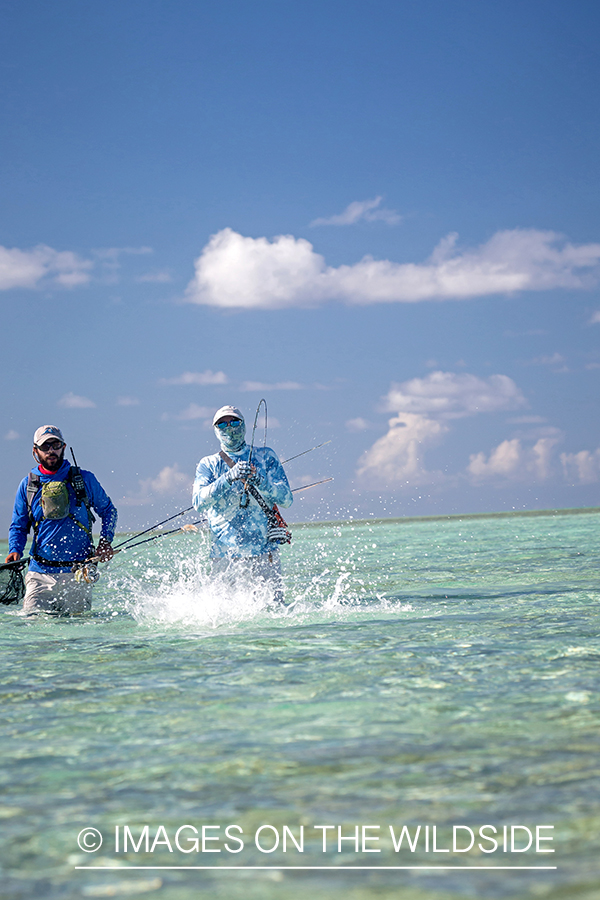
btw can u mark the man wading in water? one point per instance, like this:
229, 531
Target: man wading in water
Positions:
238, 496
56, 500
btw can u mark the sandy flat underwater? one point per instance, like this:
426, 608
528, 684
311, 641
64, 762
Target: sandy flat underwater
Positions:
428, 674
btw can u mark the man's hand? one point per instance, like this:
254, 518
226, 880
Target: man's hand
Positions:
243, 471
104, 552
13, 557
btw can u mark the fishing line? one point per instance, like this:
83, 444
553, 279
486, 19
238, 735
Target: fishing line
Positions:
87, 571
303, 452
183, 528
313, 484
152, 527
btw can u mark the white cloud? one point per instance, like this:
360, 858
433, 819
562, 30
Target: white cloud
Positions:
260, 424
169, 482
397, 458
202, 378
29, 268
358, 424
73, 401
368, 210
234, 271
449, 395
127, 401
11, 435
510, 460
595, 319
192, 412
582, 467
42, 265
161, 277
277, 386
423, 407
556, 360
109, 259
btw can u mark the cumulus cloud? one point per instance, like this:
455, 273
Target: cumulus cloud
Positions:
358, 424
234, 271
368, 210
169, 482
513, 461
191, 412
582, 467
397, 458
31, 268
427, 407
273, 423
424, 406
74, 401
201, 378
450, 396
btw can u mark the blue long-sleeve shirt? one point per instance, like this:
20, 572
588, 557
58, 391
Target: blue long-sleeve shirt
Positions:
60, 539
239, 532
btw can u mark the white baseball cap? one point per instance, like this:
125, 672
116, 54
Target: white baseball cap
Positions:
226, 411
45, 432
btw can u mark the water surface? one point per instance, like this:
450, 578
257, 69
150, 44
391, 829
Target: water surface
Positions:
431, 673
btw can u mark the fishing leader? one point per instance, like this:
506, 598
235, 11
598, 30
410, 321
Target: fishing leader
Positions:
239, 488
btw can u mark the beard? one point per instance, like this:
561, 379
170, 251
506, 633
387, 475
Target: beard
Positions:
52, 462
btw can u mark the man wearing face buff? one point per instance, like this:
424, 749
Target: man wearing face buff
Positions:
55, 500
225, 489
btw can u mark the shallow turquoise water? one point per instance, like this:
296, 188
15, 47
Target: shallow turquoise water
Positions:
431, 673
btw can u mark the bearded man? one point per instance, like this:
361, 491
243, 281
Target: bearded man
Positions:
56, 501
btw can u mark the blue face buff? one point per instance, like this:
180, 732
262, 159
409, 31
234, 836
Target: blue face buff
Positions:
232, 437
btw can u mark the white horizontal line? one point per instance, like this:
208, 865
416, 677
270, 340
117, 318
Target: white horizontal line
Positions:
329, 868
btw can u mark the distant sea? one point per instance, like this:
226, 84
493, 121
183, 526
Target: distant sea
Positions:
434, 682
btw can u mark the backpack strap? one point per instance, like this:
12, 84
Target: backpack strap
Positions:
75, 479
34, 484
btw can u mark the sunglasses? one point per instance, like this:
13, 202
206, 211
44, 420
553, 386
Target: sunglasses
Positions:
51, 445
232, 424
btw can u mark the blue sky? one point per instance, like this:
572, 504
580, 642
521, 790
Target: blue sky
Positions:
383, 218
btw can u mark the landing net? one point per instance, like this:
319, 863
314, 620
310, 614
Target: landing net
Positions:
12, 583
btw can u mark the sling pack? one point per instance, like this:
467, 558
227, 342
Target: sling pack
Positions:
56, 504
277, 529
